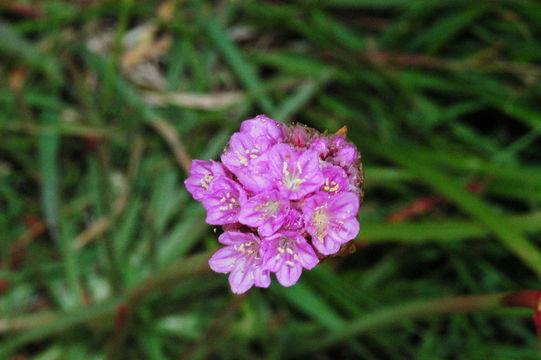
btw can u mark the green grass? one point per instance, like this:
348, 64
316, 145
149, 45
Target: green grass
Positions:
103, 252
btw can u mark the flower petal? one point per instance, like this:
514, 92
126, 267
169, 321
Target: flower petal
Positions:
344, 205
241, 278
320, 146
266, 211
287, 249
345, 231
269, 228
262, 277
296, 174
346, 155
255, 178
244, 149
288, 275
202, 175
223, 260
307, 256
223, 202
327, 245
262, 125
237, 237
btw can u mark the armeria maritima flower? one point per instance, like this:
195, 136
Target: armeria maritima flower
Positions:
286, 196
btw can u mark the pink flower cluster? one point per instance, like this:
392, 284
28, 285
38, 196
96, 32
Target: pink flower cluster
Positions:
284, 195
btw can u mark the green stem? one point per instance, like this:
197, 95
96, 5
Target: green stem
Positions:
409, 311
58, 324
122, 307
477, 208
244, 70
177, 271
440, 231
164, 279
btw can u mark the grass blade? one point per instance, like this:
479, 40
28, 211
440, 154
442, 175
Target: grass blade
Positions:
474, 206
245, 71
48, 159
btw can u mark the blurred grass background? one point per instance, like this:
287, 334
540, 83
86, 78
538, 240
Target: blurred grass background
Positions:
102, 103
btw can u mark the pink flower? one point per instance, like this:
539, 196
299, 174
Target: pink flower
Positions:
244, 149
293, 220
346, 155
242, 159
331, 220
223, 202
336, 141
295, 174
299, 136
284, 196
241, 258
202, 175
287, 253
355, 178
262, 125
336, 179
343, 153
320, 145
266, 212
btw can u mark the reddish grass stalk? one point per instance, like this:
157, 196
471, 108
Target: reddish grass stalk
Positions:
530, 299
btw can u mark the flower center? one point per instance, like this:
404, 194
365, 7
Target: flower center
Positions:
244, 158
229, 202
292, 180
284, 249
250, 251
205, 181
320, 219
270, 208
330, 186
247, 247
